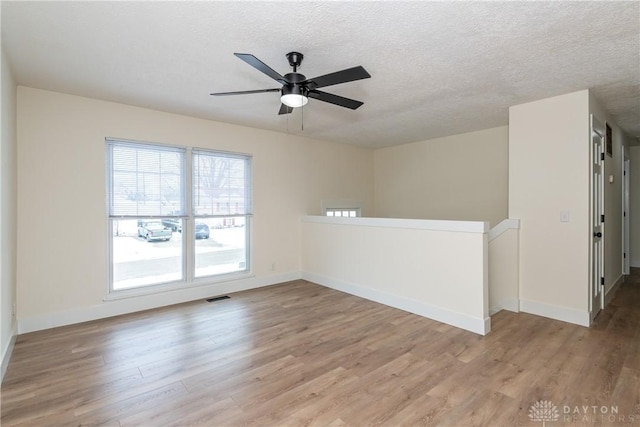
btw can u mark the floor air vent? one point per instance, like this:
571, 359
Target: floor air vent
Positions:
218, 298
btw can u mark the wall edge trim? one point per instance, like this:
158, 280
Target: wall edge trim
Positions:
504, 226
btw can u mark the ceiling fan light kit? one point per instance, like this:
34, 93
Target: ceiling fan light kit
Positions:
294, 96
297, 89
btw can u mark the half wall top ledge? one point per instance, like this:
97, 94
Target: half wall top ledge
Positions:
417, 224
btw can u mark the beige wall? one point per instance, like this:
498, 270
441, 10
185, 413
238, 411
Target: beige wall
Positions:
459, 177
7, 212
418, 270
549, 173
62, 225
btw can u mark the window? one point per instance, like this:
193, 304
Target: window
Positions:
344, 212
342, 208
222, 204
164, 230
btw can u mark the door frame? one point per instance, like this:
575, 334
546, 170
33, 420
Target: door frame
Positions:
596, 221
626, 245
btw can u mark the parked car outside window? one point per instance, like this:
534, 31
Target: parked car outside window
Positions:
202, 230
173, 223
153, 230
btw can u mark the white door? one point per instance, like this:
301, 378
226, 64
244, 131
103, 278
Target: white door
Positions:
625, 216
597, 218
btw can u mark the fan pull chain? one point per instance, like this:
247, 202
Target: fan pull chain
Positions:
302, 121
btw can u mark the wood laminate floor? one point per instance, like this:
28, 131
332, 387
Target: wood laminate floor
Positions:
300, 354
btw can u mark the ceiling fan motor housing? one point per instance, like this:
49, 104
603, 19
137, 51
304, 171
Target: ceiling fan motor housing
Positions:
294, 78
293, 84
295, 89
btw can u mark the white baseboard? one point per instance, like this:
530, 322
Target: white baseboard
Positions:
130, 305
460, 320
612, 291
7, 351
565, 314
509, 304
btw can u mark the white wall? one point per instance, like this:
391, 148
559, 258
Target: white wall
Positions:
437, 269
7, 214
549, 173
459, 177
62, 224
613, 166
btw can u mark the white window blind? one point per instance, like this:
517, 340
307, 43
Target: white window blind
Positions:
221, 184
145, 180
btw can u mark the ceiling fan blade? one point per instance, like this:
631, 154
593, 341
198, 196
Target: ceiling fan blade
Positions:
244, 92
335, 99
284, 109
344, 76
261, 66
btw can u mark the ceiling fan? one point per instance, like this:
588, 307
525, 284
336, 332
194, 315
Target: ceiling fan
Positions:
297, 89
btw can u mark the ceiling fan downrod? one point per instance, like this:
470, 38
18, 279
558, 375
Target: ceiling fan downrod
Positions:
295, 59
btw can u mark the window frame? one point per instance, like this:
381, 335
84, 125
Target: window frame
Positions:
189, 279
248, 212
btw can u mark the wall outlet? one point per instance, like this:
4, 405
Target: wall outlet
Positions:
14, 310
564, 216
273, 266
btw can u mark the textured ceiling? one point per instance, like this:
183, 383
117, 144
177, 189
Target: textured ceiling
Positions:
438, 68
